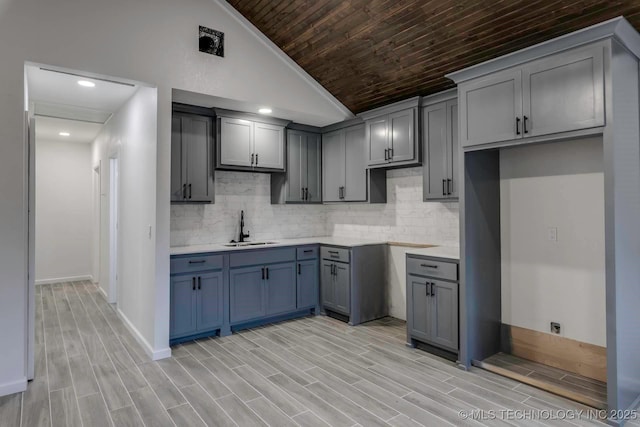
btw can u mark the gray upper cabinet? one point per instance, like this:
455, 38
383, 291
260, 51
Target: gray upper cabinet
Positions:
440, 139
237, 148
302, 181
391, 135
191, 158
556, 94
564, 92
268, 146
344, 171
245, 143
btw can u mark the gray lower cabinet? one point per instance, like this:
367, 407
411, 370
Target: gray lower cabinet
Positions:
197, 303
336, 287
191, 158
261, 291
352, 282
307, 283
247, 294
440, 151
432, 303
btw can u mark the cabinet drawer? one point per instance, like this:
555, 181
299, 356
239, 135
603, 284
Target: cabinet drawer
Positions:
432, 268
307, 252
196, 263
257, 257
335, 254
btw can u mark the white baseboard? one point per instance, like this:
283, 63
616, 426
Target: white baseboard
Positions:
64, 279
162, 353
13, 387
103, 292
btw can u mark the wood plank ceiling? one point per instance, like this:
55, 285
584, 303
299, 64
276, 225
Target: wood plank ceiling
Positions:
369, 53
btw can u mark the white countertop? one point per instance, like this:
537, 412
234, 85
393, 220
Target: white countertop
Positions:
449, 252
220, 247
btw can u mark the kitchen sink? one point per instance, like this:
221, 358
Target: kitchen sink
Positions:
237, 245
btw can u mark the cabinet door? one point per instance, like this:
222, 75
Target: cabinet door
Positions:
453, 146
355, 183
489, 109
307, 284
182, 306
314, 169
377, 140
296, 162
333, 165
327, 285
269, 146
236, 142
418, 308
197, 137
564, 92
435, 151
342, 290
209, 301
178, 159
402, 135
444, 314
281, 288
247, 298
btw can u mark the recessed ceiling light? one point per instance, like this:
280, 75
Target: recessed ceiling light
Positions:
86, 83
264, 111
64, 134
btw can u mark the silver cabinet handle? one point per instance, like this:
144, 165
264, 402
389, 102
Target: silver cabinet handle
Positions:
252, 157
429, 265
256, 159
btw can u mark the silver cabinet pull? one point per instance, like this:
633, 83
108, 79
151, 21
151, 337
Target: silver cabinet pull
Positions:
252, 157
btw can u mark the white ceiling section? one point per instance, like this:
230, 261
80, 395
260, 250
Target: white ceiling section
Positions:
60, 104
54, 87
49, 128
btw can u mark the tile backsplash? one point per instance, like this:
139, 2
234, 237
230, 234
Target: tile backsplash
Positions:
404, 218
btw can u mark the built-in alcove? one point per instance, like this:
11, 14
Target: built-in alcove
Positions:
552, 268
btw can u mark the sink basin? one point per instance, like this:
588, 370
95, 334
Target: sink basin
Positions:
236, 245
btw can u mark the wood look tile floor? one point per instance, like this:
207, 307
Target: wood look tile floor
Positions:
314, 371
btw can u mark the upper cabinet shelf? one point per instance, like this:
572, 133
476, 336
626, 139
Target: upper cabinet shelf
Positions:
250, 143
553, 95
392, 137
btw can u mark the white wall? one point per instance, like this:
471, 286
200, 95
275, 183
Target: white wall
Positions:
131, 136
125, 39
251, 192
63, 211
554, 185
404, 218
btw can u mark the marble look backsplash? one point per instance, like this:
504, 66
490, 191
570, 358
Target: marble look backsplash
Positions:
404, 218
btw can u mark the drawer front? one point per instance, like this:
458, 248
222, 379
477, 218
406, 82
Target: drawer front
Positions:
335, 254
258, 257
432, 268
307, 252
196, 263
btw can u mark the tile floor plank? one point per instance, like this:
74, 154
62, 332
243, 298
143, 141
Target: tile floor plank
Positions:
209, 410
10, 408
185, 415
240, 413
270, 413
127, 417
150, 408
93, 411
64, 408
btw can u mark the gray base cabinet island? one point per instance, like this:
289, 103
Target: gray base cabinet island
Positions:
353, 282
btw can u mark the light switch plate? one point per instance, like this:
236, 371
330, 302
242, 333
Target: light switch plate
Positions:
553, 234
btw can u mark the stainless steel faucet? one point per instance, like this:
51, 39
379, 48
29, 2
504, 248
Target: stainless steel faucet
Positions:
242, 234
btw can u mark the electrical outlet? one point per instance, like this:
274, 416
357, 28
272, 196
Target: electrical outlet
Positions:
555, 328
553, 234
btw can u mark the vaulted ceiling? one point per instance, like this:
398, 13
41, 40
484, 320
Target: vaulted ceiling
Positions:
369, 53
